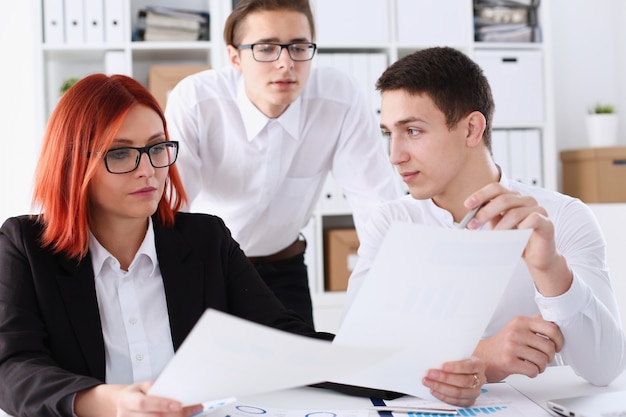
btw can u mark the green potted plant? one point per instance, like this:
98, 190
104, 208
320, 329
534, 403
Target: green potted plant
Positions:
67, 84
602, 124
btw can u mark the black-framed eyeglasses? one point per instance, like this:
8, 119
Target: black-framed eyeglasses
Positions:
126, 159
269, 52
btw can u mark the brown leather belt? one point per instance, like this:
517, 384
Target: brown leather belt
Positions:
296, 248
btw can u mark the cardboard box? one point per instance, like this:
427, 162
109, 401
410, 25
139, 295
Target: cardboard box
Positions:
162, 78
340, 256
595, 175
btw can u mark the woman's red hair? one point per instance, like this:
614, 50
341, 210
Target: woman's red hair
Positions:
80, 130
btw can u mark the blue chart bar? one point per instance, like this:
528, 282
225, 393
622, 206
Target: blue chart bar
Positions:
479, 411
463, 412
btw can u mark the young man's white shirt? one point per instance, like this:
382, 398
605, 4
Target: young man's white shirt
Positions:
264, 176
587, 313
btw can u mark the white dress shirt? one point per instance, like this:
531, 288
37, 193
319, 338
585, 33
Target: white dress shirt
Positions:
587, 313
133, 313
264, 176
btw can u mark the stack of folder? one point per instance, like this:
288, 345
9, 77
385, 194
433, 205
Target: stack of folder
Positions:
79, 22
167, 24
506, 21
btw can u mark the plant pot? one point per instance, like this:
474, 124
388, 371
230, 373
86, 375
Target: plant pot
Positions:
602, 129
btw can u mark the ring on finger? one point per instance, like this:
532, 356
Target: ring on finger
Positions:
476, 382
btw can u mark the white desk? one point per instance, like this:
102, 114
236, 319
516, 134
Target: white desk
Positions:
555, 382
559, 382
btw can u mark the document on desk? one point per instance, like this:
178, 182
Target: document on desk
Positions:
225, 357
497, 398
430, 293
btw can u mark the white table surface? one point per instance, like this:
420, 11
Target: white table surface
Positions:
560, 382
555, 382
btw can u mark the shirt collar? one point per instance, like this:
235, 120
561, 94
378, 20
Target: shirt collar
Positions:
254, 120
504, 180
100, 255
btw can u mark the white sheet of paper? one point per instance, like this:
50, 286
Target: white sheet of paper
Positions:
225, 356
499, 397
431, 293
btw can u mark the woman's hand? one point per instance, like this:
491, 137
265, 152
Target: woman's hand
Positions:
457, 383
128, 400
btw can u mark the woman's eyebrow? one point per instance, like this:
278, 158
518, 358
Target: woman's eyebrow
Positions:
125, 141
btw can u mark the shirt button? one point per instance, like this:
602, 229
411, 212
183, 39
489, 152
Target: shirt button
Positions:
139, 356
126, 279
132, 320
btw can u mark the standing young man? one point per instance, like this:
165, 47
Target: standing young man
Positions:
259, 138
437, 111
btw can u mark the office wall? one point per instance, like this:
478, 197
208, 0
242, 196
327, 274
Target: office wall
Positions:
18, 127
613, 223
620, 23
588, 62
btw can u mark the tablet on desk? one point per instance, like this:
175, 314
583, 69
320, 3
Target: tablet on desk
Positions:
608, 404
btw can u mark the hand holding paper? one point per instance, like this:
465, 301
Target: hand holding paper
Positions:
427, 300
430, 293
225, 356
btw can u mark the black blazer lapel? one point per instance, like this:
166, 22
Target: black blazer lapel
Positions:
75, 280
183, 281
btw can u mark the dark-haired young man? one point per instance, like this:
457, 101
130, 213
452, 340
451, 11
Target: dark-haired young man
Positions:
437, 110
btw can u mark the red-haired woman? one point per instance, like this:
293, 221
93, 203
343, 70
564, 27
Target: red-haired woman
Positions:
100, 289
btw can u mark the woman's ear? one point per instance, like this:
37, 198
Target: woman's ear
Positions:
476, 123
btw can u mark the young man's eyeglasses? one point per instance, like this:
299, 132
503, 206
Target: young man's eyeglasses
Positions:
268, 52
126, 159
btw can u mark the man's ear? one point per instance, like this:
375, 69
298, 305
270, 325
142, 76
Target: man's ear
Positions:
476, 124
233, 57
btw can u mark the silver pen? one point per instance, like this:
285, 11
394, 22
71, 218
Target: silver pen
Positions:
468, 217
